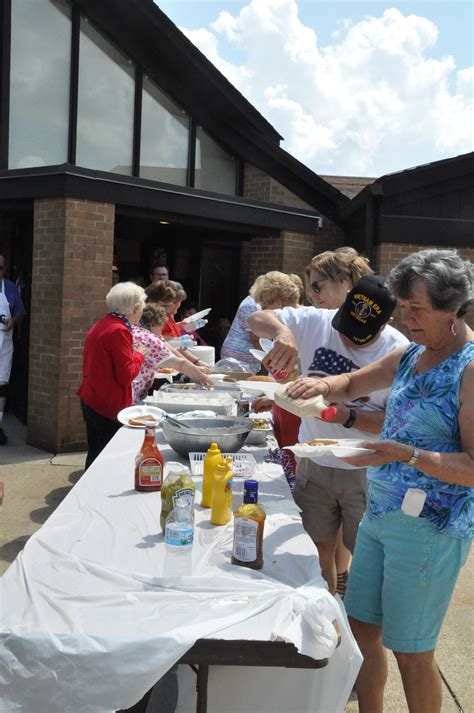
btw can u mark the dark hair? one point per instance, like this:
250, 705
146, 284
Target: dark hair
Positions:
447, 276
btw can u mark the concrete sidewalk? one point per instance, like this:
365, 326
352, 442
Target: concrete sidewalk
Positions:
36, 482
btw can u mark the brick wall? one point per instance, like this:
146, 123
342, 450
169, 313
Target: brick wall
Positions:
388, 255
72, 262
289, 252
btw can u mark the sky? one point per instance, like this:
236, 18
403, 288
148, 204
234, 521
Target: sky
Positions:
355, 88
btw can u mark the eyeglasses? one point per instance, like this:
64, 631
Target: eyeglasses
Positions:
316, 287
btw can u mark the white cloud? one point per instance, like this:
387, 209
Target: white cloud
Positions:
377, 99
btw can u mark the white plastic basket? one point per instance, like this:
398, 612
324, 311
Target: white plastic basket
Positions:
243, 464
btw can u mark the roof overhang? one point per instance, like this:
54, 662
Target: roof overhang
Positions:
155, 199
411, 179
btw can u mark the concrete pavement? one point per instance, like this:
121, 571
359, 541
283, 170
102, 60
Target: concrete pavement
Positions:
36, 482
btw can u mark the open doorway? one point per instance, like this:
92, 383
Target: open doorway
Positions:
212, 265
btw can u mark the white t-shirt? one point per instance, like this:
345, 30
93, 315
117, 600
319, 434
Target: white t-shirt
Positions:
322, 352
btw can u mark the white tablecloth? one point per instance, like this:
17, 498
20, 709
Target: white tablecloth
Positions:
92, 614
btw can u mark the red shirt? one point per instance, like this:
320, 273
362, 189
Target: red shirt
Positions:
286, 426
171, 329
109, 367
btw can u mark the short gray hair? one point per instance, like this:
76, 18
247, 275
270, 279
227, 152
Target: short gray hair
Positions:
447, 276
124, 296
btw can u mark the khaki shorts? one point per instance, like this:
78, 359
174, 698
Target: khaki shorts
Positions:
328, 497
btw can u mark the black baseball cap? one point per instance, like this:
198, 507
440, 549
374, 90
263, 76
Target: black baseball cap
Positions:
365, 310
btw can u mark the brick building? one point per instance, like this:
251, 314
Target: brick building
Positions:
130, 146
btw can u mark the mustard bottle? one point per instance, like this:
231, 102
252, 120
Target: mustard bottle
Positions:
229, 460
220, 513
212, 459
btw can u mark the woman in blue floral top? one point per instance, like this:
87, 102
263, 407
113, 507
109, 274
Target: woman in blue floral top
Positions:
416, 533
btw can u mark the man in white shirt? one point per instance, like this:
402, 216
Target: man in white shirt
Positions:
329, 491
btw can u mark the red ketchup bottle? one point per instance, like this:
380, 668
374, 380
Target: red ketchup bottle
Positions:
149, 463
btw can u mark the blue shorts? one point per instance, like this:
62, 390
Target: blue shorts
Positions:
402, 577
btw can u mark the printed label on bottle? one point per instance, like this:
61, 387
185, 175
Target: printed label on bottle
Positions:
179, 537
186, 494
150, 472
245, 539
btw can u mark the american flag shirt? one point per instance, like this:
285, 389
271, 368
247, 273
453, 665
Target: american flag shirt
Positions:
322, 352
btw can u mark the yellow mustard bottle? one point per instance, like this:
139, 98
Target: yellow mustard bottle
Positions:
212, 459
220, 512
229, 461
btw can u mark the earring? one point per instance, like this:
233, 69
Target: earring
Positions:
452, 327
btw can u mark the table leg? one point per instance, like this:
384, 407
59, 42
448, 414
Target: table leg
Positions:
201, 688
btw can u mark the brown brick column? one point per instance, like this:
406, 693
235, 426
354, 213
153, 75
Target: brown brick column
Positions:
289, 252
387, 255
72, 267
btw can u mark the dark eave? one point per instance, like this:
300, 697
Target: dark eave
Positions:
144, 33
411, 179
155, 198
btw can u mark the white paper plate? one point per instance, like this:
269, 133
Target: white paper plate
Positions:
259, 387
346, 448
198, 315
126, 414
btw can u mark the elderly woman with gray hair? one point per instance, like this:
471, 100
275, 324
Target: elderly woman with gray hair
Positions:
110, 365
415, 535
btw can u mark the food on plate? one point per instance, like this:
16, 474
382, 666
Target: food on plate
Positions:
322, 442
141, 419
260, 423
261, 377
165, 370
229, 378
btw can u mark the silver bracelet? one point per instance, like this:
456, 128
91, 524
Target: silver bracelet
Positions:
414, 457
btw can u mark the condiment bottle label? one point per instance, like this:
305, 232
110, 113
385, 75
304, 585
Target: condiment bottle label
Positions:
150, 472
186, 493
245, 539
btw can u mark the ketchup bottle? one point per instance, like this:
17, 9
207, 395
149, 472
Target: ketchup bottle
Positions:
149, 463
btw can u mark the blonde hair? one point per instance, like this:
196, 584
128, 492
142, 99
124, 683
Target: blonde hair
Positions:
124, 296
273, 286
334, 265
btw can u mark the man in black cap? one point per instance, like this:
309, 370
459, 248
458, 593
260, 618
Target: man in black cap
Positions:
327, 342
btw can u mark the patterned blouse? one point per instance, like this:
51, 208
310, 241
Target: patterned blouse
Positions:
237, 343
422, 411
158, 351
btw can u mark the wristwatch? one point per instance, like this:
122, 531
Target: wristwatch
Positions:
414, 457
351, 418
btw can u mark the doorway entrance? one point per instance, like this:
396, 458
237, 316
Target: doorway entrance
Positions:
212, 265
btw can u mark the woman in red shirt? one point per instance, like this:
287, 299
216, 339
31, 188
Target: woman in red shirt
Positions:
110, 365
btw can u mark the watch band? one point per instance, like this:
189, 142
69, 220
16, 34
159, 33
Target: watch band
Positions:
352, 417
414, 457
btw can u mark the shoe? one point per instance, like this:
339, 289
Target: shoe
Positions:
3, 437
